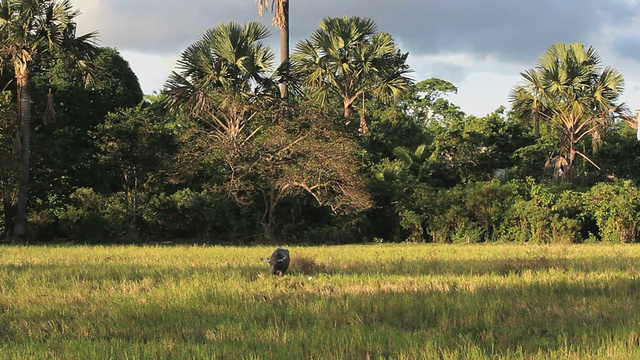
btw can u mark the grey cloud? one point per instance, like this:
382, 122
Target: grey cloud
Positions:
164, 26
507, 31
628, 47
515, 31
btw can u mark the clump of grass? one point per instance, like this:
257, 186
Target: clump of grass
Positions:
308, 266
536, 263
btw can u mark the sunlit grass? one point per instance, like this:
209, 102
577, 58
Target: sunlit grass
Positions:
349, 302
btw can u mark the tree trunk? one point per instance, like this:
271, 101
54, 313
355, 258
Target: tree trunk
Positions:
638, 124
9, 213
269, 216
571, 152
348, 107
364, 128
284, 45
24, 115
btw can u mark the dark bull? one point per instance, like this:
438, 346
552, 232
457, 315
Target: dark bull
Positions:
279, 261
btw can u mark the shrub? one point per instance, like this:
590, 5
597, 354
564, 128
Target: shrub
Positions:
544, 215
446, 215
470, 212
41, 224
329, 235
411, 223
90, 215
487, 203
616, 209
181, 214
526, 221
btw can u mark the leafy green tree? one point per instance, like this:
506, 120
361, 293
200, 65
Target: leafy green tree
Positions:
473, 149
429, 102
135, 148
32, 31
569, 90
620, 154
225, 85
62, 149
347, 59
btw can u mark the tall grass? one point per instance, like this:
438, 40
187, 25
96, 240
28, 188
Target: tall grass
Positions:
343, 302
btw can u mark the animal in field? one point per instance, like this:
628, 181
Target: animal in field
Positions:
279, 261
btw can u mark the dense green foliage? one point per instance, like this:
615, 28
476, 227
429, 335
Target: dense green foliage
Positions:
390, 301
219, 156
35, 37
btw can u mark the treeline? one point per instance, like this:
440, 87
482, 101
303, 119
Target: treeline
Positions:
355, 151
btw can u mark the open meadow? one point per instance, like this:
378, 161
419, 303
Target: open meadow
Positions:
384, 301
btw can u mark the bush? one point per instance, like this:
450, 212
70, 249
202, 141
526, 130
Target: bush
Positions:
616, 209
181, 214
95, 216
42, 225
329, 235
470, 212
447, 215
411, 223
530, 221
544, 214
526, 221
193, 215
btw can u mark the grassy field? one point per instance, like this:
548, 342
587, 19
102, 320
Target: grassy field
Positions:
342, 302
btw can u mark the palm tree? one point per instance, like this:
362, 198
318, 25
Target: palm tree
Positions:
220, 75
569, 90
32, 31
281, 21
347, 58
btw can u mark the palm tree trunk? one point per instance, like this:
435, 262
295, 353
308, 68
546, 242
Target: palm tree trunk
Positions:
284, 44
348, 107
24, 114
364, 128
571, 151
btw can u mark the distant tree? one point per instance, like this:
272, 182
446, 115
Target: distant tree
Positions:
224, 87
569, 90
620, 154
62, 157
135, 148
307, 157
348, 59
220, 77
32, 31
429, 102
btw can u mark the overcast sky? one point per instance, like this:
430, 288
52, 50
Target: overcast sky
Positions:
481, 46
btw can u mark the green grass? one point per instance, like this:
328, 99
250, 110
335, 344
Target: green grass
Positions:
342, 302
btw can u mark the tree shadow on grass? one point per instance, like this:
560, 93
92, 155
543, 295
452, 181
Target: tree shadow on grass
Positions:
432, 266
